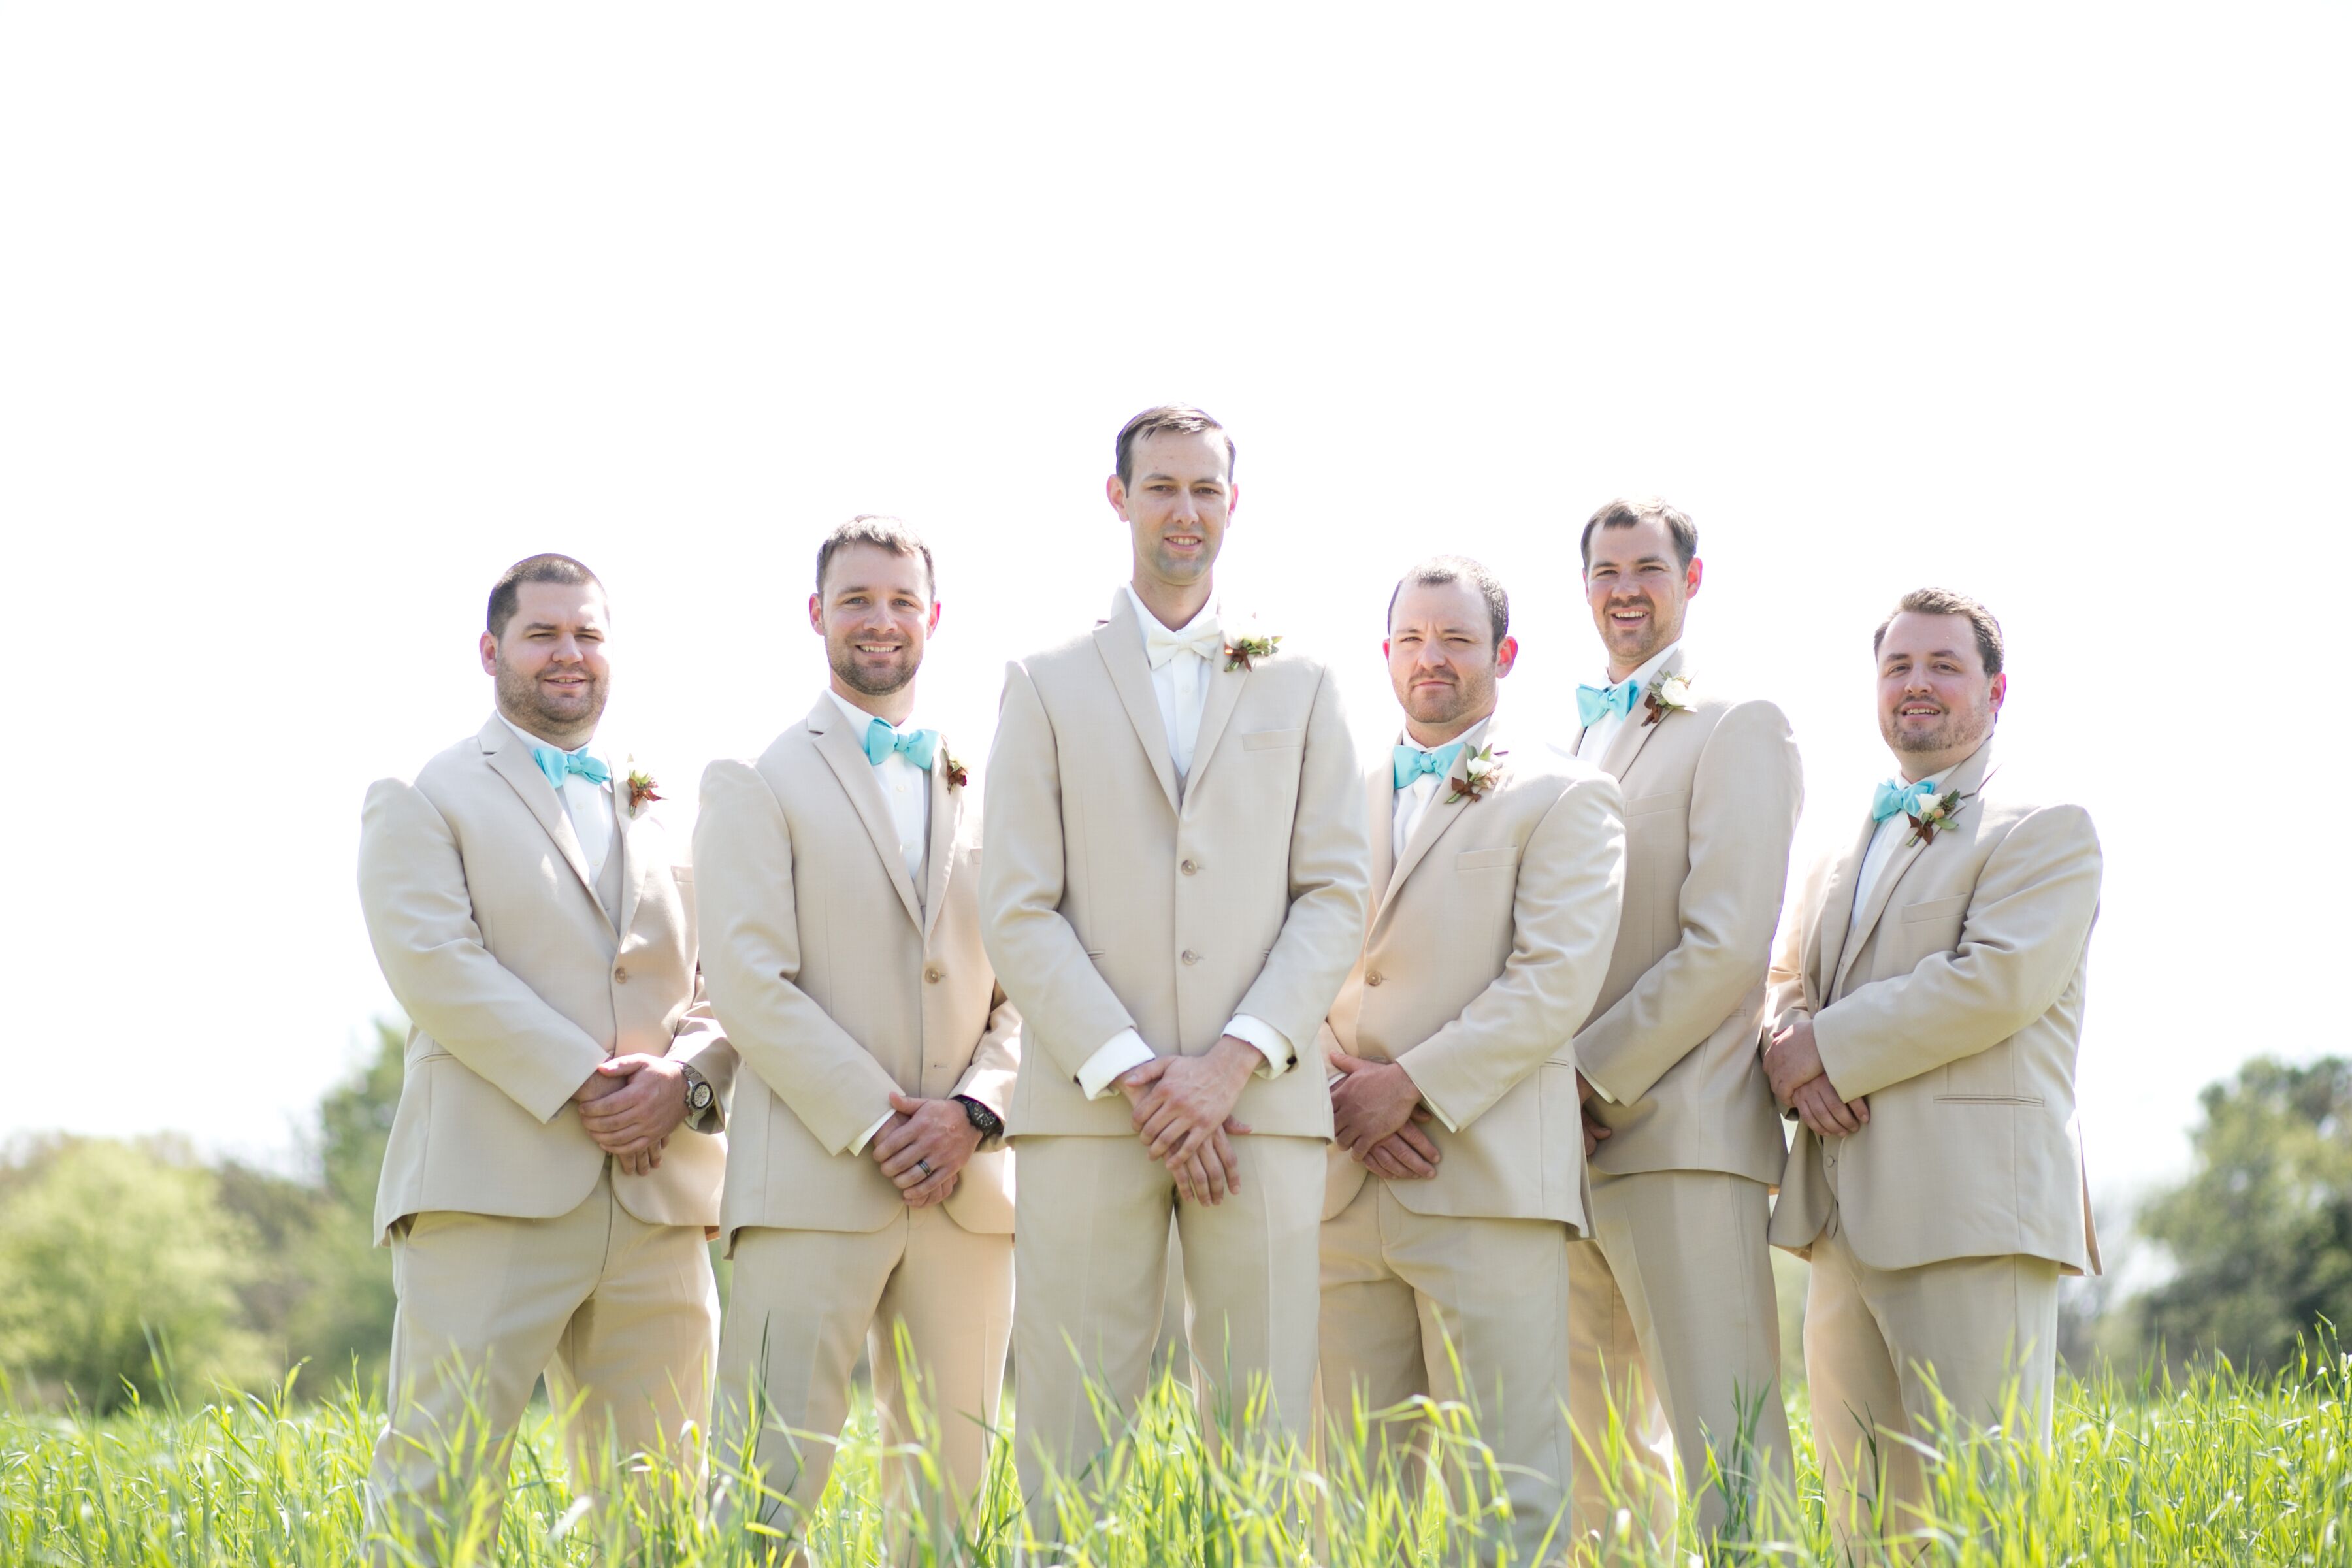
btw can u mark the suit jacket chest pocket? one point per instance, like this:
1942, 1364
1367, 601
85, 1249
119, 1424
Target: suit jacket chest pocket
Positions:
1926, 928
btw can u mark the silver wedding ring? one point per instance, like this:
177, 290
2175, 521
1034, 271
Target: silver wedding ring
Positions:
924, 1166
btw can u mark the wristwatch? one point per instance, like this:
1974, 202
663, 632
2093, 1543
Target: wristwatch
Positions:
990, 1126
699, 1096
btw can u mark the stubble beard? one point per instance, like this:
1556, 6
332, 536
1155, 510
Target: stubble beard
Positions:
846, 670
1958, 727
519, 697
1657, 634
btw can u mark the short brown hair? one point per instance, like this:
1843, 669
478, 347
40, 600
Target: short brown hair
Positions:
884, 532
1944, 602
1440, 570
550, 568
1626, 511
1181, 417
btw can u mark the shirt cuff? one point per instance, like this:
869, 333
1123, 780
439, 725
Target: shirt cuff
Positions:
1119, 1053
1434, 1109
1600, 1090
1270, 1043
867, 1136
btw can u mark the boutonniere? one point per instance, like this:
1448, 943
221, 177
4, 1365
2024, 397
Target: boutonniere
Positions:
642, 788
1481, 770
1670, 693
1240, 651
952, 769
1933, 815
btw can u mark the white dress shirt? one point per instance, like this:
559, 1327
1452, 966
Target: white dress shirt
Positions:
1181, 686
906, 790
1598, 737
1413, 800
589, 805
1883, 843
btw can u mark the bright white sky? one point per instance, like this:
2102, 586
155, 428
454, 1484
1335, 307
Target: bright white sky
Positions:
312, 319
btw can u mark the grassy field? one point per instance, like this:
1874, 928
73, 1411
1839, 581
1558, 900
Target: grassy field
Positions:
2214, 1468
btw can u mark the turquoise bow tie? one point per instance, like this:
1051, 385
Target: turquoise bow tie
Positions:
917, 746
1410, 763
1594, 703
1893, 798
556, 763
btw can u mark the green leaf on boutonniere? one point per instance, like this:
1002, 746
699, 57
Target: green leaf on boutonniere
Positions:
641, 790
1240, 651
1481, 770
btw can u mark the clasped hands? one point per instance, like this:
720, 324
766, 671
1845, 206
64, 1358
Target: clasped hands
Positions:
1377, 1116
1184, 1114
924, 1147
1799, 1081
630, 1105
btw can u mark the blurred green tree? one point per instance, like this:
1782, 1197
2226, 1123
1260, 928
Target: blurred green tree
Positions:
119, 1268
2261, 1230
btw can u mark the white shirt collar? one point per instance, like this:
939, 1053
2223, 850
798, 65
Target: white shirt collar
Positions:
584, 749
861, 717
1146, 620
1641, 676
1468, 740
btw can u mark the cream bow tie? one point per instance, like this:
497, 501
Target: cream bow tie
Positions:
1160, 645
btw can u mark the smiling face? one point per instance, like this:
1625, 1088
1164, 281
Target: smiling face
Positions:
1639, 590
875, 614
1936, 703
1178, 505
1443, 659
549, 661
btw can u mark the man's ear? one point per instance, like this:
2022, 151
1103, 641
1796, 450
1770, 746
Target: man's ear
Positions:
1506, 654
1115, 489
1999, 691
933, 624
1697, 570
817, 615
490, 654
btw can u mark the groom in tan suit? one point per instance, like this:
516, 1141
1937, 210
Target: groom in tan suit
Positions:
1173, 888
1929, 1000
1498, 866
1675, 1319
555, 1159
867, 1186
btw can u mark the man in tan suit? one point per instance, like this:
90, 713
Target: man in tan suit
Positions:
1928, 1004
867, 1187
555, 1159
1677, 1325
1498, 866
1173, 888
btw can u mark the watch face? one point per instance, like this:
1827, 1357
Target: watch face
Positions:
698, 1097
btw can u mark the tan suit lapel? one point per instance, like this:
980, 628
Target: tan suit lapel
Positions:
937, 861
1833, 917
1120, 640
1968, 778
1635, 731
845, 753
1217, 705
1440, 815
510, 759
1381, 799
624, 846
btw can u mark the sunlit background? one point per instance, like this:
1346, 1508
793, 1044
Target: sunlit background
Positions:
312, 319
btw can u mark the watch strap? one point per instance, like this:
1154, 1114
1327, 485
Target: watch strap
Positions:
986, 1122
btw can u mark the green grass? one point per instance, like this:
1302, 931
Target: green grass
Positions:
2212, 1468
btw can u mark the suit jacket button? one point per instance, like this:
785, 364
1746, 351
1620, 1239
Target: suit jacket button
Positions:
934, 973
1190, 866
1373, 978
620, 975
1192, 957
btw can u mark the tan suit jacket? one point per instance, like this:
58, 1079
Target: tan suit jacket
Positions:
1956, 1008
1113, 900
1712, 793
517, 983
1487, 942
839, 981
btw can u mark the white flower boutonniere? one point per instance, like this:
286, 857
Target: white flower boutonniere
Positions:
1932, 815
1670, 693
1481, 770
952, 769
1240, 651
642, 788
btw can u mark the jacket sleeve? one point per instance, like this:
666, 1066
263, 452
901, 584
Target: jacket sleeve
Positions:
2029, 920
996, 1061
1564, 913
752, 964
420, 920
1743, 817
1069, 1008
1330, 880
700, 1040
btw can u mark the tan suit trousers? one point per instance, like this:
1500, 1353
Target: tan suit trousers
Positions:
1675, 1328
622, 1316
1090, 1246
801, 1306
1409, 1298
1984, 1330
